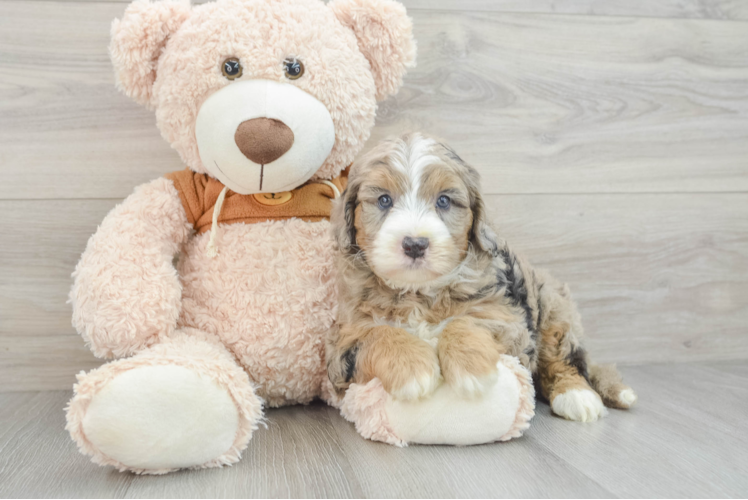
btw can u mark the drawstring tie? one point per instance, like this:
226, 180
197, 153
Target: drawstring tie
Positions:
335, 190
212, 249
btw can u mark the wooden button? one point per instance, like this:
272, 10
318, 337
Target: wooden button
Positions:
273, 198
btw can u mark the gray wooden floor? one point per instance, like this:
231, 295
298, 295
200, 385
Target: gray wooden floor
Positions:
688, 437
612, 136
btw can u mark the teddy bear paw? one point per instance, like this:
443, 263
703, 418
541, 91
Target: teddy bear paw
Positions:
158, 418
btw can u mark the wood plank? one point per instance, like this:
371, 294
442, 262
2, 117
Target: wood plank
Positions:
695, 9
669, 445
692, 9
652, 451
39, 460
306, 452
297, 456
576, 104
540, 103
715, 393
43, 362
42, 242
70, 134
518, 468
657, 277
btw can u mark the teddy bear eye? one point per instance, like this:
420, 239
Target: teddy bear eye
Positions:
231, 68
294, 68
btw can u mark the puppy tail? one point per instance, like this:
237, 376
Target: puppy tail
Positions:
608, 383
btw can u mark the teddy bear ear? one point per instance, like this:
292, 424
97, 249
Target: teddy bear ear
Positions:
385, 37
137, 41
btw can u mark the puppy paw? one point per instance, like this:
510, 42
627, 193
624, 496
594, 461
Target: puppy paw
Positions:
468, 359
418, 386
582, 405
410, 371
471, 386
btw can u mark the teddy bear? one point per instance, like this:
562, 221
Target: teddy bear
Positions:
211, 289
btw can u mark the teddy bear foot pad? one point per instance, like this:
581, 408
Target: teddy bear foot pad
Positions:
154, 419
161, 417
445, 417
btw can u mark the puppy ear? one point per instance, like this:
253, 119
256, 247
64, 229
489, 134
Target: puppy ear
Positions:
343, 217
482, 236
385, 37
138, 40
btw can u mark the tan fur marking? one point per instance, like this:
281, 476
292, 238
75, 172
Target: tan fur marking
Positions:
368, 217
363, 239
394, 357
444, 177
556, 375
384, 176
464, 348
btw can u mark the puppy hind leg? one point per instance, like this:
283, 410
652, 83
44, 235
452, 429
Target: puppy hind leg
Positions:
608, 383
562, 371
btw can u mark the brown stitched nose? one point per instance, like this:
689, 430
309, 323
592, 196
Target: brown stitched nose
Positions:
263, 140
415, 248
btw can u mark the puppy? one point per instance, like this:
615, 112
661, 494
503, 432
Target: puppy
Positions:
428, 291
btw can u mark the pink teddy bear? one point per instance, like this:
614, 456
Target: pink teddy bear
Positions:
213, 288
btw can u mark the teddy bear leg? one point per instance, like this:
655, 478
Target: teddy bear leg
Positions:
447, 416
184, 403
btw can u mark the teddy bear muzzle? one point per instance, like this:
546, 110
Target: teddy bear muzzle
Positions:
262, 136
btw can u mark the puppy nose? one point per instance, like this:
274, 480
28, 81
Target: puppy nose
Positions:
263, 140
415, 247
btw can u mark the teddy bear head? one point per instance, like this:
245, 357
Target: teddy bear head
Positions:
263, 94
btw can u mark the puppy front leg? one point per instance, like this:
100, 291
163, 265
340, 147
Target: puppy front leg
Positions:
468, 355
407, 366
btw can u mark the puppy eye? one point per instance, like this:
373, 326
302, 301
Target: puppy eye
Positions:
385, 201
443, 202
294, 68
231, 68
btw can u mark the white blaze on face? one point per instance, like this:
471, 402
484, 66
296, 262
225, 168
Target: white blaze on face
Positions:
413, 215
223, 112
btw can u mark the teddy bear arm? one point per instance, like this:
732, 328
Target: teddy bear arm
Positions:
126, 293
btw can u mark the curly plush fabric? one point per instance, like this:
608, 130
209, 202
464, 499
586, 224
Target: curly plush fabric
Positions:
384, 34
270, 296
137, 41
246, 326
191, 349
181, 53
265, 301
126, 294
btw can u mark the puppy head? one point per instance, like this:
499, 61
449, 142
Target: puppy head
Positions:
413, 210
